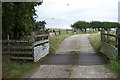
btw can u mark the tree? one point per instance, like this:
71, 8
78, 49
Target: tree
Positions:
82, 25
97, 25
17, 18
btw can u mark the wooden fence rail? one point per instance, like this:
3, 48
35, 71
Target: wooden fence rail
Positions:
57, 32
69, 30
33, 49
110, 49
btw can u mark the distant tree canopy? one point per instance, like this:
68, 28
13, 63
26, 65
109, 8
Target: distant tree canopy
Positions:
94, 25
17, 18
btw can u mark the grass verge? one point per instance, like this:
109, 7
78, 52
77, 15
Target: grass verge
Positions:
113, 65
55, 41
95, 42
16, 69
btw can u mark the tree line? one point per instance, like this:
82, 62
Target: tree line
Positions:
97, 25
18, 18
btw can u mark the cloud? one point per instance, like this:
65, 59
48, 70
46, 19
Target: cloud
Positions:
62, 13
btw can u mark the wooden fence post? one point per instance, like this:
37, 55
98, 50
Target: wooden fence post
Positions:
73, 30
119, 46
118, 42
108, 38
33, 38
59, 32
8, 40
102, 35
116, 34
54, 32
33, 41
66, 31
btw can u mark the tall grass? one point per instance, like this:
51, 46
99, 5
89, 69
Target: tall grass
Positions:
16, 69
95, 42
114, 65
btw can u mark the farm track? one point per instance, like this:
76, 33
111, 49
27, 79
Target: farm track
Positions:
75, 58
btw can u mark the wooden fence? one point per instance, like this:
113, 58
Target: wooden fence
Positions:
57, 32
110, 44
69, 30
31, 49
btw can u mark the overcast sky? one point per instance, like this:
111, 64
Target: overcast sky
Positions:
63, 13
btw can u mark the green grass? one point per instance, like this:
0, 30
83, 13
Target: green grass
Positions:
55, 41
17, 69
89, 32
114, 65
95, 42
